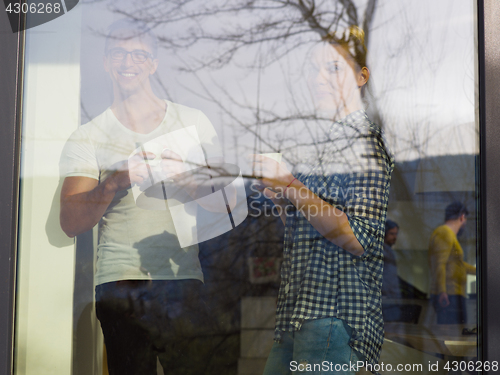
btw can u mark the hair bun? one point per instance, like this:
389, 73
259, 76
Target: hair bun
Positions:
353, 33
357, 32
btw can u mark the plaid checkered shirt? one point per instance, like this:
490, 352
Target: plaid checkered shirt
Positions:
352, 172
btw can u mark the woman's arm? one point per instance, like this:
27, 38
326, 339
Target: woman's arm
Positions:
329, 221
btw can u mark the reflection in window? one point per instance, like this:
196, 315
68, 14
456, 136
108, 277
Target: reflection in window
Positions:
245, 77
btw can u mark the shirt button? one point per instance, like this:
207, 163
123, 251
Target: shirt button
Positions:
287, 288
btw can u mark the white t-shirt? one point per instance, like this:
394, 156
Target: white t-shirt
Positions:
134, 243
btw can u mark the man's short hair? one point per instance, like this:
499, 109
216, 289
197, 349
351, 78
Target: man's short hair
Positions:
389, 224
126, 29
455, 210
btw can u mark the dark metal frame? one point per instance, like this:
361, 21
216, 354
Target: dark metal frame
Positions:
11, 58
489, 112
11, 45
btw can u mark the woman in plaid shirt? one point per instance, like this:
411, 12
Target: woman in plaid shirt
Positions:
329, 306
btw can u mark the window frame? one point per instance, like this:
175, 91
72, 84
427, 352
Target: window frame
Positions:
11, 60
489, 156
488, 260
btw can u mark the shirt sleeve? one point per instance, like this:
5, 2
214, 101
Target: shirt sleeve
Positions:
439, 251
366, 194
208, 138
78, 157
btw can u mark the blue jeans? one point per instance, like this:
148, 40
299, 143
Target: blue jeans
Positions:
320, 347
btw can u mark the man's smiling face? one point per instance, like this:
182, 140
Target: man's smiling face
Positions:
130, 76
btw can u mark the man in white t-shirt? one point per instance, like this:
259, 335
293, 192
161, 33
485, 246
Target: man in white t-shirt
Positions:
148, 293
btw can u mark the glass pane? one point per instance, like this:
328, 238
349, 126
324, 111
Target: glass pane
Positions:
227, 170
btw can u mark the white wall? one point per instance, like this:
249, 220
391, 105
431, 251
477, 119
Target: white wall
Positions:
44, 321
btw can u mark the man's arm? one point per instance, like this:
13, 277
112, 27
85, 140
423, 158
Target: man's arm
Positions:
470, 269
439, 252
84, 200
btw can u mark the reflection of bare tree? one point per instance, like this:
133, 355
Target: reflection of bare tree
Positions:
222, 34
253, 36
275, 26
219, 33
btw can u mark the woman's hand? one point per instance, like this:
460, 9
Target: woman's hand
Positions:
274, 175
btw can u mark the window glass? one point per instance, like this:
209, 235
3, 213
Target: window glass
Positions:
209, 188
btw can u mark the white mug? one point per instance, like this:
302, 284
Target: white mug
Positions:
275, 156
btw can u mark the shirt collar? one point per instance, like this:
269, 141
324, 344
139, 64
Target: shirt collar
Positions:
355, 118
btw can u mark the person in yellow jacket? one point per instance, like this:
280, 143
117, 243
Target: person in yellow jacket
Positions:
448, 268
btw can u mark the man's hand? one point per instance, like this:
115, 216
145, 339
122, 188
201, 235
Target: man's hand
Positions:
133, 171
171, 164
443, 300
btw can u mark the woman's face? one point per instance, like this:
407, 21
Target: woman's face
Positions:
335, 81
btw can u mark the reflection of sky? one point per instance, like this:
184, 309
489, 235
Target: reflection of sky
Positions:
421, 59
427, 69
